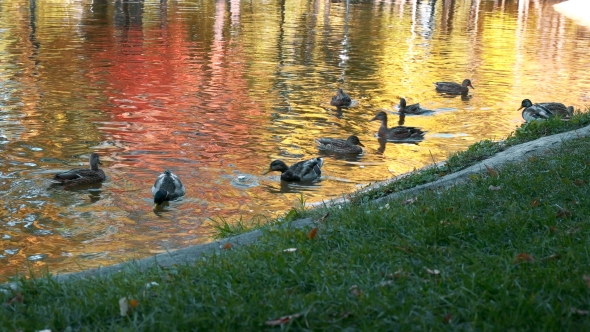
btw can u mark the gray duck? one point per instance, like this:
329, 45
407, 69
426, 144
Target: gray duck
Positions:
80, 176
400, 133
352, 145
544, 110
166, 188
453, 88
303, 171
341, 99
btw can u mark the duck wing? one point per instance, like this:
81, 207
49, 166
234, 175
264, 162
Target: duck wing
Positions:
558, 109
405, 134
169, 182
307, 170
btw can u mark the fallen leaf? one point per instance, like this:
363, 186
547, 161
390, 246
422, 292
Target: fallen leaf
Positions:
324, 217
579, 312
535, 202
491, 171
447, 318
18, 297
311, 235
587, 279
290, 250
524, 257
532, 159
123, 306
563, 213
579, 183
449, 209
552, 229
551, 257
385, 283
226, 246
133, 303
354, 290
494, 188
282, 320
409, 201
433, 272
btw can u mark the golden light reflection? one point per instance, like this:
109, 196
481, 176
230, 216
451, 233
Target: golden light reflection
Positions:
216, 90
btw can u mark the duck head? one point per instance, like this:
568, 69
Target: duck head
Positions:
94, 161
467, 82
382, 116
526, 103
160, 197
354, 140
277, 165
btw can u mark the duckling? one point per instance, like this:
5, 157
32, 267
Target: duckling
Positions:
80, 176
411, 109
303, 171
399, 133
352, 145
166, 188
557, 109
453, 88
341, 99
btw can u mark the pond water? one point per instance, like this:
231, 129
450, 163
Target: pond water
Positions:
214, 90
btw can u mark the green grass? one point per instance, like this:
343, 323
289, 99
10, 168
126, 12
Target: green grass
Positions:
368, 267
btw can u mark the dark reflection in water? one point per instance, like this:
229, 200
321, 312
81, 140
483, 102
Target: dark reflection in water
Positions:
215, 90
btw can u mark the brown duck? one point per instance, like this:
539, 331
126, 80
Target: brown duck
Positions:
453, 88
79, 176
400, 133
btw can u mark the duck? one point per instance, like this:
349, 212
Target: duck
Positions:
167, 187
352, 145
557, 109
399, 133
453, 88
411, 109
340, 99
80, 176
303, 171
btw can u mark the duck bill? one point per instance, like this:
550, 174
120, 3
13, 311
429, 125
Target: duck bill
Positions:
374, 118
361, 144
472, 86
521, 107
267, 171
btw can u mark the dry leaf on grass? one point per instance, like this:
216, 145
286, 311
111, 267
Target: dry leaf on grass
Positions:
133, 303
311, 235
226, 246
354, 290
524, 257
123, 306
579, 312
494, 188
563, 213
410, 201
551, 257
433, 272
18, 297
324, 217
535, 202
282, 320
587, 279
491, 171
447, 318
